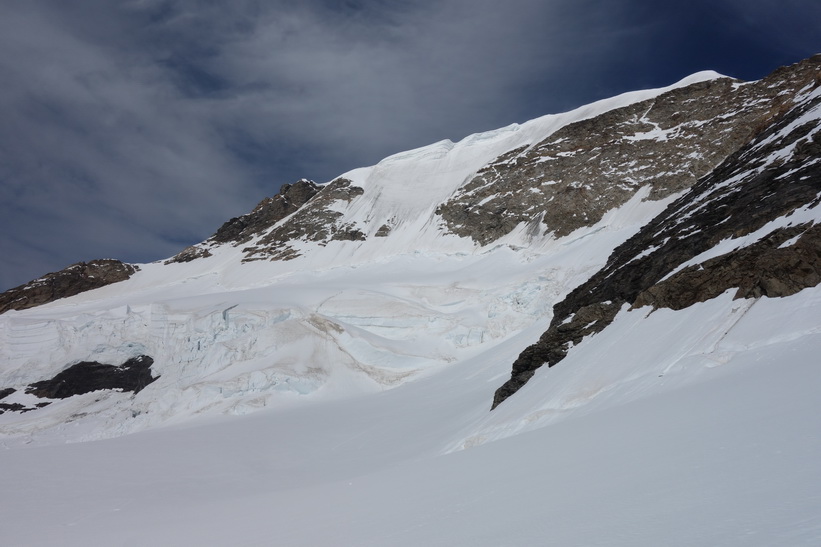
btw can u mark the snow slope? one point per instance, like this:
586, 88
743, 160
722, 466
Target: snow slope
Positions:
716, 445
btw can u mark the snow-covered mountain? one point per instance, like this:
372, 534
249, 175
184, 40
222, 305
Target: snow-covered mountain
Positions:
655, 255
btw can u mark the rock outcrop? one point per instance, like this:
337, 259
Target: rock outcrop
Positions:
577, 174
88, 376
77, 278
240, 230
267, 213
781, 264
84, 377
310, 213
317, 221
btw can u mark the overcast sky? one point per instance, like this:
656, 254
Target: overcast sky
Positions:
130, 129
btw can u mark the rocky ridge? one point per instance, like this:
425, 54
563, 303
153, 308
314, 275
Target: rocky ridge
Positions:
77, 278
240, 230
303, 211
86, 276
573, 177
755, 205
318, 222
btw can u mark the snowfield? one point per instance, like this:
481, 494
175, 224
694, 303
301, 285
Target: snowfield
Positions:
343, 397
713, 443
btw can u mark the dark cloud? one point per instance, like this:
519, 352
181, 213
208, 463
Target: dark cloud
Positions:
133, 128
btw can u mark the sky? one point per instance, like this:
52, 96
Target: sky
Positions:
131, 129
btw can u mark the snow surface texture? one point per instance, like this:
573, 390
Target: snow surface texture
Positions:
704, 435
366, 370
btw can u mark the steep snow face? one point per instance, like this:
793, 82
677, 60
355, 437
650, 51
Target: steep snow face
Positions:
410, 185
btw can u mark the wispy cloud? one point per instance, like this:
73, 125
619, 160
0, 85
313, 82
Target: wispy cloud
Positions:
101, 153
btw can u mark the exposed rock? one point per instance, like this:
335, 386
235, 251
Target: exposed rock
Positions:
13, 407
242, 229
318, 221
768, 179
21, 408
267, 213
766, 268
555, 343
87, 376
587, 168
383, 231
348, 233
6, 392
77, 278
188, 254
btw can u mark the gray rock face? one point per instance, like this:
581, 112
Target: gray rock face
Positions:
572, 178
316, 221
241, 230
77, 278
85, 377
768, 179
762, 269
267, 213
188, 254
310, 217
383, 231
